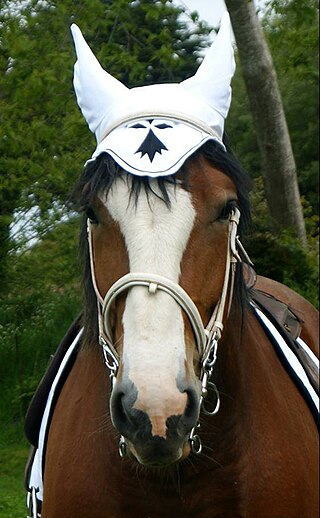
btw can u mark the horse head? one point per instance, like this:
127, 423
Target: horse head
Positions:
162, 223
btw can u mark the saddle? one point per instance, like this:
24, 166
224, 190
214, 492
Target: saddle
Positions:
289, 326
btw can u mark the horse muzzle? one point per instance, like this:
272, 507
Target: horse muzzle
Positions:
156, 433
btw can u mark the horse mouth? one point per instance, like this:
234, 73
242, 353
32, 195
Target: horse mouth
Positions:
157, 453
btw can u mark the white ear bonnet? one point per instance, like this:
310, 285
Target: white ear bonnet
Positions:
152, 130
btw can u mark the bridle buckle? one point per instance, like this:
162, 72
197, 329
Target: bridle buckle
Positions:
110, 358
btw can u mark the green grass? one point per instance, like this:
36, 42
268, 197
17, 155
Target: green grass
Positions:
13, 455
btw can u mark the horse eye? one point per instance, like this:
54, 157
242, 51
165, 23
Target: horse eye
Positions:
91, 215
227, 209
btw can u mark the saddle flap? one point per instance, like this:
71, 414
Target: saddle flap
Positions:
39, 400
280, 312
289, 325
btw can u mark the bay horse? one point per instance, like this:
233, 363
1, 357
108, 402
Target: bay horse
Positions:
259, 455
207, 421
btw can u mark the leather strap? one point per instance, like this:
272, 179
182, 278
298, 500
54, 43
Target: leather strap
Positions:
289, 325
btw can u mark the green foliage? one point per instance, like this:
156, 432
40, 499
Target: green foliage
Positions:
240, 128
280, 256
291, 27
283, 259
43, 299
292, 30
13, 454
43, 137
146, 41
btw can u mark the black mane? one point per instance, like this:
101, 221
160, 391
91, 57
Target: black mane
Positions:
98, 176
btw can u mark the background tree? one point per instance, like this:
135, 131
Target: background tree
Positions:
292, 31
277, 161
43, 138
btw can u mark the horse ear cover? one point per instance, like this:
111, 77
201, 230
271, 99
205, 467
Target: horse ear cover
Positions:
152, 130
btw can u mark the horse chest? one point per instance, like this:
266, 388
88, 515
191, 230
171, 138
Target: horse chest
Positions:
191, 493
85, 476
245, 466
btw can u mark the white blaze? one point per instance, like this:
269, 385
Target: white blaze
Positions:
155, 237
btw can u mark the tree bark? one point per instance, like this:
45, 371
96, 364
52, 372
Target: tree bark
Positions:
277, 161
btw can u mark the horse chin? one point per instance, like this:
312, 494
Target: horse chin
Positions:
158, 455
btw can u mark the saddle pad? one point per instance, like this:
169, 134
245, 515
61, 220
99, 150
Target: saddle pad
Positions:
289, 326
36, 469
292, 361
38, 403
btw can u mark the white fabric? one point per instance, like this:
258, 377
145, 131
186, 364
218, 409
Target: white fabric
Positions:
176, 142
36, 470
291, 358
308, 351
194, 109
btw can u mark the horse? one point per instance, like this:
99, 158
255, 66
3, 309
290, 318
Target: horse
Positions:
177, 404
259, 455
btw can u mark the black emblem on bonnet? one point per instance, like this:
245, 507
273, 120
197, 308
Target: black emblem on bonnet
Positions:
151, 144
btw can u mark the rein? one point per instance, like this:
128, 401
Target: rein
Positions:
206, 338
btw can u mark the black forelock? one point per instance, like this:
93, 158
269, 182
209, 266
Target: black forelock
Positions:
99, 175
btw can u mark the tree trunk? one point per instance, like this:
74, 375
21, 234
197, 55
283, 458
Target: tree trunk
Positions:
277, 161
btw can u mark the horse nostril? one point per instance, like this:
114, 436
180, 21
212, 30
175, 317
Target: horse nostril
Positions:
192, 403
119, 414
191, 412
122, 401
117, 410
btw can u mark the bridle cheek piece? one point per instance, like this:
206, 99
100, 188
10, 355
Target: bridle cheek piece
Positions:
206, 338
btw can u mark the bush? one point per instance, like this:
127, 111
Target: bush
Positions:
281, 256
41, 300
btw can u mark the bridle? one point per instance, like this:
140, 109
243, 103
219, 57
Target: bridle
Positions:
206, 338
